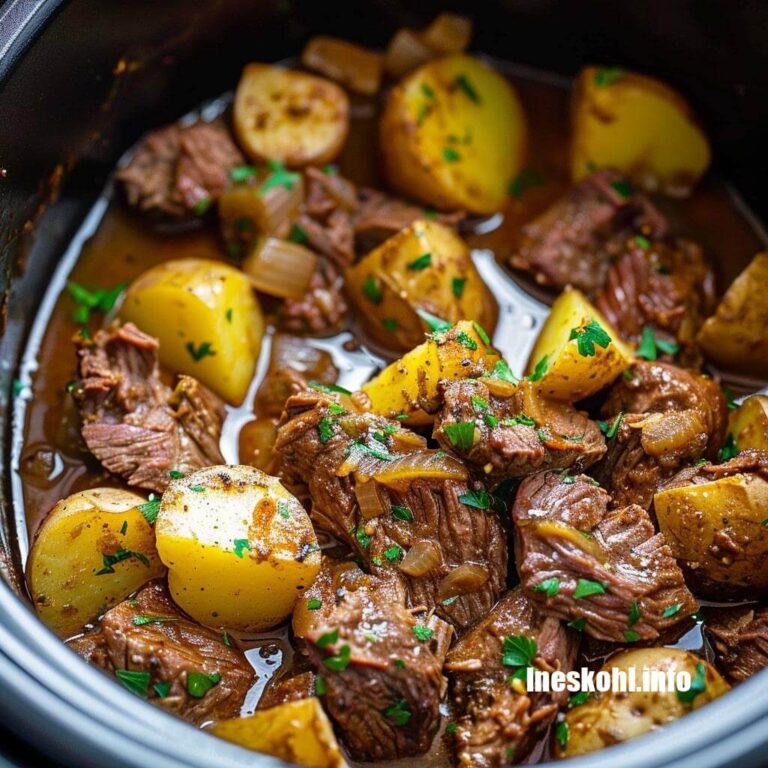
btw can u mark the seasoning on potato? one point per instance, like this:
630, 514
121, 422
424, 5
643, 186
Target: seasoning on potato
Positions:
238, 546
748, 423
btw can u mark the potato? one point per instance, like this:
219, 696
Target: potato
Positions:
749, 423
638, 125
239, 548
355, 67
453, 135
297, 731
296, 118
207, 319
716, 529
570, 350
408, 387
735, 336
93, 550
614, 716
425, 266
255, 444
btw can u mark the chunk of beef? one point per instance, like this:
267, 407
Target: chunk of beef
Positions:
498, 723
180, 169
516, 432
295, 687
574, 241
134, 424
740, 640
383, 683
322, 309
667, 286
149, 634
750, 461
582, 561
412, 498
670, 417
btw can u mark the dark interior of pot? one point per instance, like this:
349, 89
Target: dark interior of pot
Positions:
631, 413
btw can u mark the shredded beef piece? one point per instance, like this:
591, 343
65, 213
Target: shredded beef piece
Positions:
740, 640
672, 417
335, 454
169, 651
498, 724
751, 461
574, 241
667, 286
565, 532
134, 424
384, 699
322, 309
554, 435
178, 169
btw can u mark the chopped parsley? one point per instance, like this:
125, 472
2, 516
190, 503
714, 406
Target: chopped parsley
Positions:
550, 587
631, 636
226, 639
228, 315
462, 82
588, 336
450, 155
329, 170
140, 621
393, 553
434, 323
282, 509
162, 689
698, 685
526, 179
197, 488
329, 389
428, 91
389, 324
457, 286
461, 434
540, 369
577, 699
325, 429
198, 683
479, 403
634, 614
124, 528
314, 604
729, 399
202, 206
642, 242
478, 499
422, 633
279, 177
340, 661
135, 680
671, 610
240, 547
650, 346
624, 188
336, 409
518, 651
398, 663
329, 638
320, 686
611, 431
363, 539
298, 234
174, 474
466, 340
399, 713
587, 588
482, 333
562, 734
491, 420
402, 513
729, 450
241, 173
119, 556
451, 728
578, 624
89, 300
421, 263
608, 75
198, 353
521, 418
372, 289
378, 453
502, 371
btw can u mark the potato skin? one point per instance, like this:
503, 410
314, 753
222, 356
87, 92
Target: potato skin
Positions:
239, 548
404, 286
297, 731
187, 303
749, 423
612, 717
571, 376
735, 336
68, 577
408, 387
450, 146
716, 530
639, 126
290, 116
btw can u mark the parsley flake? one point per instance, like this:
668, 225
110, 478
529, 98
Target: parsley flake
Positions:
588, 336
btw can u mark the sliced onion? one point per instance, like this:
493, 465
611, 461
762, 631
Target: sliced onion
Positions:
342, 190
448, 33
672, 432
465, 578
501, 388
280, 268
351, 65
552, 529
425, 464
421, 558
279, 206
405, 440
369, 500
405, 52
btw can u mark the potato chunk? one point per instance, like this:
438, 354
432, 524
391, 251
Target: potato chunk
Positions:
577, 352
426, 266
717, 530
453, 135
639, 126
297, 731
93, 550
614, 716
407, 389
296, 118
239, 548
207, 319
749, 423
735, 336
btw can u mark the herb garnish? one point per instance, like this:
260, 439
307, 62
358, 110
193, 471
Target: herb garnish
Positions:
649, 345
198, 683
539, 369
298, 234
550, 587
587, 336
279, 177
519, 651
204, 350
393, 553
634, 614
421, 263
390, 324
698, 685
434, 323
729, 450
140, 621
119, 556
402, 513
526, 179
340, 661
466, 340
399, 713
608, 75
463, 83
562, 734
587, 587
135, 680
671, 610
325, 429
478, 499
461, 434
330, 389
450, 155
89, 300
372, 289
457, 286
240, 547
314, 604
422, 633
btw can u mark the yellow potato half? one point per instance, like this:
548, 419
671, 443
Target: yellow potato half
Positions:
239, 548
93, 550
566, 373
749, 423
290, 116
638, 125
453, 135
207, 319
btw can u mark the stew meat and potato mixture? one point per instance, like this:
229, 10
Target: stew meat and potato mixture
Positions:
286, 473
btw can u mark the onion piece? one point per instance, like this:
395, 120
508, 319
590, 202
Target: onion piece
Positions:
369, 499
465, 578
405, 440
421, 558
500, 388
672, 433
425, 464
280, 268
353, 66
405, 52
339, 189
448, 33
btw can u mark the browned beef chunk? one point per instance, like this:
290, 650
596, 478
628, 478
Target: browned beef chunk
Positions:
516, 432
498, 723
134, 424
574, 241
671, 417
607, 569
149, 634
740, 640
375, 486
179, 170
381, 668
322, 309
750, 461
292, 688
667, 286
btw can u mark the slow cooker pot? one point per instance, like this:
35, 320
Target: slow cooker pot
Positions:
81, 80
